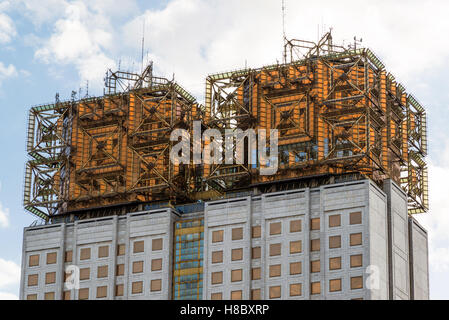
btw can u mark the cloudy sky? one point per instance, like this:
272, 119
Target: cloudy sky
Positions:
51, 46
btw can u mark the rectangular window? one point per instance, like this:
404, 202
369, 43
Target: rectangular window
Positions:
295, 289
120, 269
119, 290
237, 254
357, 282
255, 253
33, 280
355, 218
295, 246
275, 249
255, 273
50, 277
83, 294
103, 252
32, 297
295, 267
217, 256
315, 245
156, 285
335, 285
68, 256
85, 274
236, 295
49, 296
334, 242
355, 239
275, 270
51, 257
334, 220
85, 254
157, 244
138, 246
237, 234
217, 277
315, 266
102, 272
256, 232
275, 228
102, 292
33, 260
137, 266
255, 294
156, 264
137, 287
315, 224
216, 296
217, 236
121, 250
275, 292
236, 275
356, 260
295, 226
67, 295
335, 263
315, 287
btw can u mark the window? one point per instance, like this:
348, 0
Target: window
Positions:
156, 285
295, 267
217, 277
356, 260
217, 256
33, 260
217, 236
119, 290
67, 276
334, 242
275, 249
255, 294
335, 285
120, 269
157, 244
275, 270
275, 292
156, 264
236, 295
102, 272
334, 220
50, 277
275, 228
49, 296
139, 246
68, 256
103, 252
355, 239
32, 297
102, 292
295, 226
33, 280
357, 282
355, 218
236, 275
335, 263
137, 266
237, 233
85, 254
83, 294
237, 254
255, 253
315, 287
67, 295
315, 224
121, 250
295, 246
315, 245
255, 273
295, 289
216, 296
137, 287
85, 274
51, 257
256, 232
315, 266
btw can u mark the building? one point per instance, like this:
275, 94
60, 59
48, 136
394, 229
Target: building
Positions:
334, 221
348, 240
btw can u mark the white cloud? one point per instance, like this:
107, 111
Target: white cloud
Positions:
4, 217
7, 28
8, 296
9, 273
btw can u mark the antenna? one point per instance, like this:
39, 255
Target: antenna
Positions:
284, 38
143, 42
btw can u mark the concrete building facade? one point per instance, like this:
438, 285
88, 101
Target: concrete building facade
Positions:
348, 240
